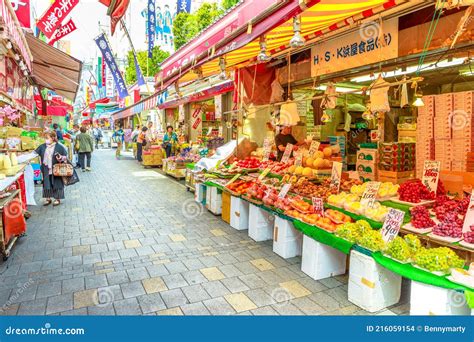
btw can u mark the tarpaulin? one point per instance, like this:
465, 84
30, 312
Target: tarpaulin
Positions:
257, 81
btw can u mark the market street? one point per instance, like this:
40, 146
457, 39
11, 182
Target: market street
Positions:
130, 241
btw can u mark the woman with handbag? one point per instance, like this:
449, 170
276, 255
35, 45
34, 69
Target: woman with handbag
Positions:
170, 139
85, 147
141, 142
51, 154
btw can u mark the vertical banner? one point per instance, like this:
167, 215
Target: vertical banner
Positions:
104, 48
151, 27
63, 31
54, 16
22, 11
99, 73
140, 79
183, 6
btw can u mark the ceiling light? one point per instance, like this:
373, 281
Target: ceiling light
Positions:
262, 56
418, 100
297, 41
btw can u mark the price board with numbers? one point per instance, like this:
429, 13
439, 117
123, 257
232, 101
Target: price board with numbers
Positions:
284, 190
392, 224
298, 159
264, 173
267, 149
370, 194
313, 148
336, 175
431, 172
469, 218
287, 153
318, 205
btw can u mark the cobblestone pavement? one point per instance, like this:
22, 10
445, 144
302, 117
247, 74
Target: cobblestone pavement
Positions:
120, 245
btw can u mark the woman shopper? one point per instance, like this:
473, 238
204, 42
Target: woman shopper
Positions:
85, 147
117, 137
170, 139
141, 142
51, 153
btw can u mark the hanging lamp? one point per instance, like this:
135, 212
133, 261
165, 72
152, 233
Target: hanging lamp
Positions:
297, 41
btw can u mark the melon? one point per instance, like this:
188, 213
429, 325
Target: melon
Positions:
7, 164
309, 162
318, 163
14, 159
318, 154
307, 171
327, 152
299, 170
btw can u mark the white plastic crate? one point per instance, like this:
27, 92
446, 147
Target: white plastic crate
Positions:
432, 300
287, 241
239, 213
214, 200
260, 223
200, 193
371, 286
320, 261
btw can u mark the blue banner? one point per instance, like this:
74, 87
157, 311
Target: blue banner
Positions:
238, 328
183, 6
104, 48
140, 79
151, 27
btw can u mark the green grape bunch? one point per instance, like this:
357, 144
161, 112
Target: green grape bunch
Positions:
372, 240
399, 249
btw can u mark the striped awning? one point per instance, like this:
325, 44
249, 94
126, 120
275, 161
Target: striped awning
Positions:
323, 17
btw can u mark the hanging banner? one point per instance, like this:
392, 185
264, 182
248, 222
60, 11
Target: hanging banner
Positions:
109, 83
54, 16
104, 48
63, 31
22, 11
140, 79
100, 80
151, 27
183, 6
361, 47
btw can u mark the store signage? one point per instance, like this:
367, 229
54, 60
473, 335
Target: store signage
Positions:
298, 159
183, 6
431, 172
264, 173
469, 218
336, 175
233, 179
22, 11
370, 194
370, 44
109, 83
287, 153
313, 148
267, 147
63, 31
151, 27
196, 123
318, 205
54, 16
392, 224
284, 190
196, 112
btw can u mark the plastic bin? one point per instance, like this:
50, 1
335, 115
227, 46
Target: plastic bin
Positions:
200, 193
260, 223
320, 261
214, 200
432, 300
287, 241
371, 286
239, 213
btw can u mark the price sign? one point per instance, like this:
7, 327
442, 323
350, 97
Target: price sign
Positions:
336, 175
318, 205
264, 173
233, 179
392, 224
431, 172
298, 159
313, 148
370, 194
267, 147
469, 218
287, 153
284, 190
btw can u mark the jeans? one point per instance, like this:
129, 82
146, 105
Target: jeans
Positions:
118, 151
97, 141
139, 151
168, 150
82, 156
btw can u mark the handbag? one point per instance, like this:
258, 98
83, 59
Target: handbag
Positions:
72, 179
63, 170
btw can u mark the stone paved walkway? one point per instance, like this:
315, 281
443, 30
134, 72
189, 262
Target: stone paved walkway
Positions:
120, 245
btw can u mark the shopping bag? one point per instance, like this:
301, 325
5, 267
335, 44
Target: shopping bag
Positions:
72, 179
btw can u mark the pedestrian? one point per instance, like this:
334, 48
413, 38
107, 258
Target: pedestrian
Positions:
51, 153
150, 134
141, 142
117, 137
74, 132
97, 133
170, 139
135, 133
58, 131
85, 147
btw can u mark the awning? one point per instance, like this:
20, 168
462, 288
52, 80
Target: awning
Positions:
145, 104
54, 69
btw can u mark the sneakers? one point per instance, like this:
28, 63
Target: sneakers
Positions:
83, 170
88, 169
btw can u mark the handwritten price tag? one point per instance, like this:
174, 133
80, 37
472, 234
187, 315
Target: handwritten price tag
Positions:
313, 148
431, 172
370, 194
392, 224
264, 173
287, 153
233, 179
336, 175
469, 218
298, 159
267, 147
284, 190
318, 205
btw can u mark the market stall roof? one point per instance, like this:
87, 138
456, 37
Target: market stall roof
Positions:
54, 69
323, 17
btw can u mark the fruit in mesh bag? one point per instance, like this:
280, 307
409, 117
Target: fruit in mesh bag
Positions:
372, 239
399, 249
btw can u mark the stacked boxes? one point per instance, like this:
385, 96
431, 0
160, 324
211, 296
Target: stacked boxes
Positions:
424, 133
462, 129
366, 165
397, 157
443, 144
153, 157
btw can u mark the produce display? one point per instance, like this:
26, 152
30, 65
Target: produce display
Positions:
451, 226
248, 163
469, 236
309, 189
399, 249
351, 203
414, 191
318, 161
256, 191
372, 239
353, 232
386, 190
239, 186
440, 259
444, 205
420, 217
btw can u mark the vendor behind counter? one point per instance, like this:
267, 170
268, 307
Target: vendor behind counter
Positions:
284, 138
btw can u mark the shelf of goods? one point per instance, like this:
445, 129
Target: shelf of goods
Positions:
153, 156
374, 277
175, 169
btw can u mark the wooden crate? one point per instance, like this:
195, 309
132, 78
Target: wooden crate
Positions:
395, 177
226, 206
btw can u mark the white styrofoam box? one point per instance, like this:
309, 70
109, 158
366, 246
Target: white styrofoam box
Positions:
320, 261
213, 200
371, 286
239, 213
287, 241
200, 193
260, 223
432, 300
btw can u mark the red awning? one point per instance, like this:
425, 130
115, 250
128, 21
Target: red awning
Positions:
104, 100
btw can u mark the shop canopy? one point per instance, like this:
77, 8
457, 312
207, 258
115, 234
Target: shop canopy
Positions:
320, 18
54, 69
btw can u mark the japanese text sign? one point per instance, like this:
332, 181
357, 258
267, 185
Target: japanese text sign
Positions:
469, 218
392, 224
318, 205
284, 190
287, 153
22, 11
183, 6
431, 172
151, 27
63, 31
54, 16
370, 194
313, 148
336, 175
